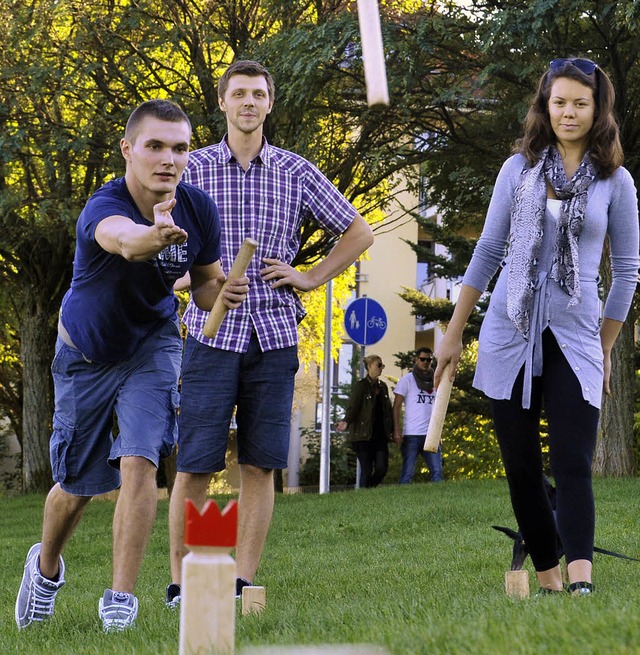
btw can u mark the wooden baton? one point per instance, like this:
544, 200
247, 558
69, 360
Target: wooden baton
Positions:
375, 72
238, 269
434, 431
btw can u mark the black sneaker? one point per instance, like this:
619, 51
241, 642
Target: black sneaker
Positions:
173, 596
581, 588
544, 591
240, 584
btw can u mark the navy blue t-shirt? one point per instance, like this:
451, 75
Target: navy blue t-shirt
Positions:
113, 304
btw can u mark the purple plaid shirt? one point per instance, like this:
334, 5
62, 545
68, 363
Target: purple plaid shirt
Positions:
268, 203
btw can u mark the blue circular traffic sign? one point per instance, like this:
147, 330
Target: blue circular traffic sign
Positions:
365, 321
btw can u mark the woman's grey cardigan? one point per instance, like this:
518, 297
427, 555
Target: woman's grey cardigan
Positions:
612, 209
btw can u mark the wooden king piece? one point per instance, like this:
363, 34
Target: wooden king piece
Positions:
439, 413
238, 269
375, 72
208, 591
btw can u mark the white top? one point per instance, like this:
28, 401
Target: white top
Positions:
554, 205
417, 405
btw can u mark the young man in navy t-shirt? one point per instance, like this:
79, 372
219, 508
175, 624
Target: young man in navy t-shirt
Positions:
118, 353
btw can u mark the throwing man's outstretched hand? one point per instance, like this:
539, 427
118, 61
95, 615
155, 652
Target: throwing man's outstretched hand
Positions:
168, 232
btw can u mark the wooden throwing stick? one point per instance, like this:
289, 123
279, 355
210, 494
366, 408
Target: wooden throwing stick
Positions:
439, 413
375, 72
238, 269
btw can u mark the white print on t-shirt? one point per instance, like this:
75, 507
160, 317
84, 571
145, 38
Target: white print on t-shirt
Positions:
170, 259
176, 252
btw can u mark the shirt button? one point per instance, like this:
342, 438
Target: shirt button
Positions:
564, 345
586, 388
577, 368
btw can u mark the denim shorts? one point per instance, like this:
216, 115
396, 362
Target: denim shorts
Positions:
258, 384
140, 392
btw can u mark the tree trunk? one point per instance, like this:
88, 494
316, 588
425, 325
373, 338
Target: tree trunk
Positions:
36, 354
614, 449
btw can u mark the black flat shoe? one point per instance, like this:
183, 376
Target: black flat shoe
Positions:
543, 591
580, 588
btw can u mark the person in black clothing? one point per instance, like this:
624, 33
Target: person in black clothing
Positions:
370, 421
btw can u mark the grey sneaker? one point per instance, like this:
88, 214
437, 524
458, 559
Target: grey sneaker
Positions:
173, 596
37, 594
118, 610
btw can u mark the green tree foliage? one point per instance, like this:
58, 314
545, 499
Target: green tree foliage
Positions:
10, 368
71, 72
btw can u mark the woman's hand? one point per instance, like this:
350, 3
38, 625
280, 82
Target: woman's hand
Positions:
448, 351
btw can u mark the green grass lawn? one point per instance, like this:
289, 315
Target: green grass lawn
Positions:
415, 570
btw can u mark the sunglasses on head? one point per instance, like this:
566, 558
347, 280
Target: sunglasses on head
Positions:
584, 65
425, 359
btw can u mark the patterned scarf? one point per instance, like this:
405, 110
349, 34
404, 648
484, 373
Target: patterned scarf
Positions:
424, 379
527, 220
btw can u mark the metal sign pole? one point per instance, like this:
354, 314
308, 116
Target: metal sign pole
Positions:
363, 371
325, 435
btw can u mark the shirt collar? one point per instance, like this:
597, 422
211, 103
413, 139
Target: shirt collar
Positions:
264, 155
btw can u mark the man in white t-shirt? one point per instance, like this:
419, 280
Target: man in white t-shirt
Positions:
416, 391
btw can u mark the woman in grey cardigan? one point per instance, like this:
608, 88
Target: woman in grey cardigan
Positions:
546, 338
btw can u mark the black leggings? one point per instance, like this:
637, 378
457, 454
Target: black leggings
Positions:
374, 462
573, 425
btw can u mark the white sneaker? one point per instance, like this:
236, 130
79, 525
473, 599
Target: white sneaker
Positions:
37, 594
118, 610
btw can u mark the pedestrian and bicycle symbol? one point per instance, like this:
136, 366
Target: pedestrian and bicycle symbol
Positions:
365, 321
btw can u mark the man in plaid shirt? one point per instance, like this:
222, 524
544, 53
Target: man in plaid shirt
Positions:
264, 193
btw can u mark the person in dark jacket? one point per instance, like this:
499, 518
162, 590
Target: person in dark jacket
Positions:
369, 418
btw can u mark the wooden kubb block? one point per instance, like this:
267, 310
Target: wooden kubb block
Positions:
253, 600
517, 584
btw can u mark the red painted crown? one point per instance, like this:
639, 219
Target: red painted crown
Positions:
212, 527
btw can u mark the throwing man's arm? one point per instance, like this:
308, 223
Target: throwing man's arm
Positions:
119, 235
